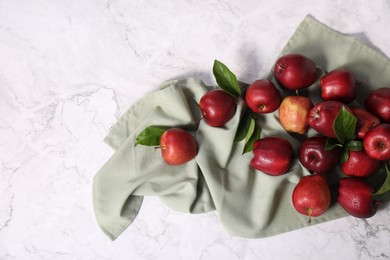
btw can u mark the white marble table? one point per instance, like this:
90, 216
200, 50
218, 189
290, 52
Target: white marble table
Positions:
69, 69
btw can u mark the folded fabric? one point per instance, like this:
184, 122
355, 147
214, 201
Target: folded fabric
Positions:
249, 203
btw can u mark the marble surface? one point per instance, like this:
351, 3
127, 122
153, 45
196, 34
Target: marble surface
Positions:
69, 69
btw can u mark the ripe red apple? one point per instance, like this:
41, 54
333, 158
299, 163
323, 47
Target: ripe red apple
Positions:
217, 107
376, 142
322, 116
359, 164
177, 146
378, 102
311, 196
293, 113
263, 97
338, 85
272, 155
365, 121
295, 71
355, 196
315, 158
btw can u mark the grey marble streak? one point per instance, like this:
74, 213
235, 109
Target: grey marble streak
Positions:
69, 69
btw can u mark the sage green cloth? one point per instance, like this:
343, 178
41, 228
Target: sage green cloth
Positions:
249, 203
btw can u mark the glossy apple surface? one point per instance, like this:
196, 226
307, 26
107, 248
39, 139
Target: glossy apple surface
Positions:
338, 85
315, 158
355, 196
272, 155
376, 142
217, 107
295, 71
378, 102
262, 97
293, 113
311, 196
365, 121
322, 116
359, 164
177, 146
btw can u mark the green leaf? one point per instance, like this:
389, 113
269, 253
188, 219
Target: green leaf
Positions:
344, 155
383, 193
226, 79
150, 136
344, 126
243, 126
354, 145
252, 139
251, 128
331, 144
382, 197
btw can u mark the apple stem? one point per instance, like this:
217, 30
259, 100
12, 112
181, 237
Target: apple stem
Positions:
310, 213
321, 69
381, 146
358, 83
261, 107
198, 121
281, 66
157, 147
297, 92
196, 102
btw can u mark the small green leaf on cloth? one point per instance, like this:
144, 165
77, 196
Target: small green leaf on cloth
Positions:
243, 126
383, 193
150, 136
252, 124
253, 135
226, 79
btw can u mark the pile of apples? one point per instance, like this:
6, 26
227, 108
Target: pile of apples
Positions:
356, 137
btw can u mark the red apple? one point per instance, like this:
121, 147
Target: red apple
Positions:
376, 142
378, 102
322, 116
217, 107
355, 196
338, 85
365, 121
359, 164
272, 155
293, 113
263, 97
295, 71
311, 196
177, 146
315, 158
